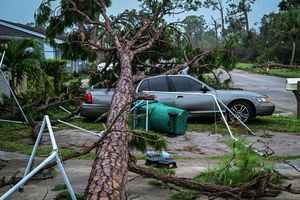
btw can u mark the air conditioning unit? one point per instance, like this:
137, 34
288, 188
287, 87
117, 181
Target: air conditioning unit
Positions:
291, 84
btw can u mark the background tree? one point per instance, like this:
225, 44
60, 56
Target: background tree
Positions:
109, 172
238, 13
285, 5
280, 35
217, 5
194, 28
22, 59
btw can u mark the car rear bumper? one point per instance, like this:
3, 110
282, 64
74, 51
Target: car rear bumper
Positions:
265, 109
93, 110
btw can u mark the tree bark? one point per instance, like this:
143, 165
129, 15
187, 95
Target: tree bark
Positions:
221, 9
109, 171
293, 53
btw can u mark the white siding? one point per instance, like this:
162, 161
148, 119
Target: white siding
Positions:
49, 51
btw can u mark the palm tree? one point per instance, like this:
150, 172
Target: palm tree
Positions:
22, 59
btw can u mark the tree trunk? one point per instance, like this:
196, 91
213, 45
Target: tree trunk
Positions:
247, 22
293, 53
216, 30
109, 171
221, 9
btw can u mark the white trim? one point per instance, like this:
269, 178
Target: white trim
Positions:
28, 31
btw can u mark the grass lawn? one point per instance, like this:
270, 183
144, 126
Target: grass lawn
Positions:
285, 73
13, 136
267, 123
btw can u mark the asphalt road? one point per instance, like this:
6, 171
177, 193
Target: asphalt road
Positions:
272, 86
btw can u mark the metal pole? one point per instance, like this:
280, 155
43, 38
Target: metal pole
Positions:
11, 121
27, 177
79, 128
53, 142
234, 115
224, 119
64, 109
66, 179
10, 89
134, 107
36, 144
214, 97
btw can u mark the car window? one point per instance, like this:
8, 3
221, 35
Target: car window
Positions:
158, 84
185, 84
144, 86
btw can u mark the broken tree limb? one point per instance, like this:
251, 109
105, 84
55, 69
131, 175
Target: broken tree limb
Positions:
177, 67
256, 188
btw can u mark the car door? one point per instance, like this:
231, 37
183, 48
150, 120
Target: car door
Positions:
159, 87
189, 95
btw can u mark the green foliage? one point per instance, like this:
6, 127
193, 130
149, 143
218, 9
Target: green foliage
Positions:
194, 27
164, 171
265, 123
278, 33
241, 167
141, 140
289, 4
55, 69
281, 72
22, 59
66, 196
59, 187
184, 195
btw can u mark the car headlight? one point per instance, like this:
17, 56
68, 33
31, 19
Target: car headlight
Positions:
264, 99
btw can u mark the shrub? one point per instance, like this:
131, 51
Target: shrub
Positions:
241, 167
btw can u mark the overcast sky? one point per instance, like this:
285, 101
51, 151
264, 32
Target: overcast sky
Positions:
23, 10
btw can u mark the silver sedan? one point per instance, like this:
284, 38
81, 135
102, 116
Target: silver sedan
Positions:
186, 92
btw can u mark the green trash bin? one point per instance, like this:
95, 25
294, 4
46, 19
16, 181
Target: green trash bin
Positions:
162, 118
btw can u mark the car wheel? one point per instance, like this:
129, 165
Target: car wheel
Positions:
242, 109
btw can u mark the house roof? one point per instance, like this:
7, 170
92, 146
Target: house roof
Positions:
16, 30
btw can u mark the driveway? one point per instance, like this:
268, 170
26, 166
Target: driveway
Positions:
272, 86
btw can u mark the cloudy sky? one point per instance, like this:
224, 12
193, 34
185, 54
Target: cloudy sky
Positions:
23, 10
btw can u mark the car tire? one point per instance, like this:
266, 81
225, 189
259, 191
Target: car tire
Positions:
241, 109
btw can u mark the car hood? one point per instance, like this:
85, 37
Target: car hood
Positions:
238, 93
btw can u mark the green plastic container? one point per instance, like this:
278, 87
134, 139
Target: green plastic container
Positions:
163, 118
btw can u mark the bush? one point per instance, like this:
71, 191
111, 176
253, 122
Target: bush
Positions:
241, 167
55, 68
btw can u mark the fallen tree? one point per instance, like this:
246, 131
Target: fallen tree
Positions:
128, 34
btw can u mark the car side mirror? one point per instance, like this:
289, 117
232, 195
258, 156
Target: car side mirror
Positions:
204, 89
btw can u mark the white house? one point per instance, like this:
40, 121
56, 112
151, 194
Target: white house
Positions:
10, 30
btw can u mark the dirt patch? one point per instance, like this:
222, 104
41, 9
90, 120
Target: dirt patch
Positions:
69, 138
281, 143
198, 145
194, 147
